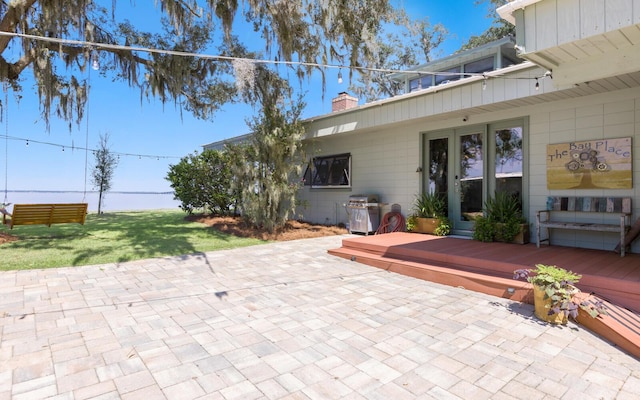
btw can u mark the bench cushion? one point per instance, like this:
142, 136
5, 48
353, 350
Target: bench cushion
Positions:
590, 204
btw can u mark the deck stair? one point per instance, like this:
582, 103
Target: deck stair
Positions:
488, 268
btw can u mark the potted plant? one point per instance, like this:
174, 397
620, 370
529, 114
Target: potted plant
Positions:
484, 229
429, 215
554, 293
502, 220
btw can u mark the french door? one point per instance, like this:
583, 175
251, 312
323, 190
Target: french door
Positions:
469, 164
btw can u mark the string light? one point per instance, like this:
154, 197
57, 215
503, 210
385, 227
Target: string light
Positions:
95, 63
118, 154
106, 46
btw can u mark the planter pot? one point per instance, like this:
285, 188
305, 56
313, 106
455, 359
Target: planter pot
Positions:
522, 237
426, 225
542, 307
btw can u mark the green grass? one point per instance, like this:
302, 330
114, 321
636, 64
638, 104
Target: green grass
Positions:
112, 238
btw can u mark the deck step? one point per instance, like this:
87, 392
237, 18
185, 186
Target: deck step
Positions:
409, 255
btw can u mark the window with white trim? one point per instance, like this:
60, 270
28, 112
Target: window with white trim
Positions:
329, 172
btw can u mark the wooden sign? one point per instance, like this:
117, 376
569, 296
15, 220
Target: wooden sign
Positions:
594, 164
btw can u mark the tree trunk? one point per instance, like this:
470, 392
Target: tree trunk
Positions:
100, 200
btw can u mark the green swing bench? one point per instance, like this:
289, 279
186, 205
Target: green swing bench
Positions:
45, 214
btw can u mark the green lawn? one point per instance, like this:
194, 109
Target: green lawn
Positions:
112, 238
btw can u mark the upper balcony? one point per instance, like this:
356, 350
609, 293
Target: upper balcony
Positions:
579, 41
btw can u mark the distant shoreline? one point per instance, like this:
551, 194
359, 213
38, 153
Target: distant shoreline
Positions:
111, 200
80, 191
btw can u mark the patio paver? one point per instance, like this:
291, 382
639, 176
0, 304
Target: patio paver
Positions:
285, 320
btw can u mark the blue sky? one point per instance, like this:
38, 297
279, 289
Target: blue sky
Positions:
150, 128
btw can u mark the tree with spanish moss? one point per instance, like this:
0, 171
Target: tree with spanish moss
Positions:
268, 168
56, 41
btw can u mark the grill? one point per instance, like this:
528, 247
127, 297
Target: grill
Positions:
364, 213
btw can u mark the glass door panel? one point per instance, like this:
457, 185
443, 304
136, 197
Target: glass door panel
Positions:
438, 179
508, 174
469, 180
468, 164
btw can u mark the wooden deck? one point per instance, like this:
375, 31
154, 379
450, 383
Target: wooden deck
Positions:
488, 268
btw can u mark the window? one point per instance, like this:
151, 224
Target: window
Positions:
479, 66
426, 82
414, 85
421, 83
329, 171
452, 74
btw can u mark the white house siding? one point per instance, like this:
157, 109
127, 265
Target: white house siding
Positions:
552, 23
382, 163
384, 160
384, 138
612, 115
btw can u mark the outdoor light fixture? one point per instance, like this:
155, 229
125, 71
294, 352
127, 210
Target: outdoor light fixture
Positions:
537, 84
484, 84
419, 169
95, 64
340, 76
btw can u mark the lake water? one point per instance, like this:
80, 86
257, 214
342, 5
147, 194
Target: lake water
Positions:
111, 201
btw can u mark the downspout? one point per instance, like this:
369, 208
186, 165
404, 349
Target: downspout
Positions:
506, 11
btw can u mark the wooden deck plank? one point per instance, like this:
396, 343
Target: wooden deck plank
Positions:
500, 259
488, 268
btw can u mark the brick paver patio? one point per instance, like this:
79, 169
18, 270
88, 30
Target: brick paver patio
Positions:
285, 321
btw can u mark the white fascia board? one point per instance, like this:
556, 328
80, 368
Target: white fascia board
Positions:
507, 10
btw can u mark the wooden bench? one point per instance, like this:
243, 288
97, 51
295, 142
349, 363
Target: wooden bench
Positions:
609, 205
45, 214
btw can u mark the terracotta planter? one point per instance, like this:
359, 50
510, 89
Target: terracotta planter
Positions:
426, 225
542, 307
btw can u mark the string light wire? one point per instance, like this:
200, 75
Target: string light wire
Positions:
106, 46
95, 46
86, 140
5, 108
140, 156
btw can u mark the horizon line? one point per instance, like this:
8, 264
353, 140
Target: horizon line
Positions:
81, 191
